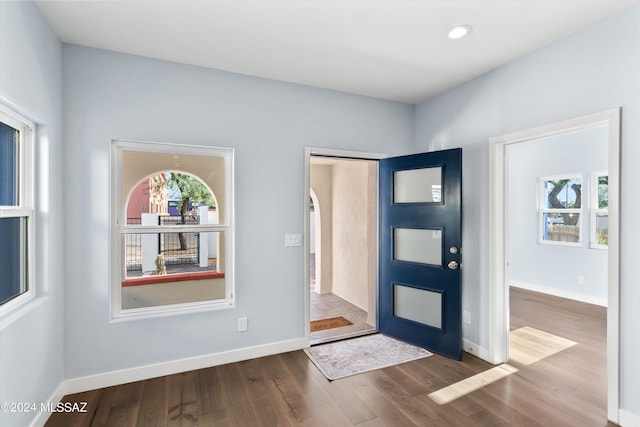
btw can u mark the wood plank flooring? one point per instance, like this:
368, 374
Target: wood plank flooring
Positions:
565, 389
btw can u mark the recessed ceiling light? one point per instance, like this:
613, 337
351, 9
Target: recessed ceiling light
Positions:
460, 31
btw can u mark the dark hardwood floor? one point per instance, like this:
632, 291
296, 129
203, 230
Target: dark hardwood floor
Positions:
566, 389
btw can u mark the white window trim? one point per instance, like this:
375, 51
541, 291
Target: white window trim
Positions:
595, 210
26, 205
542, 210
119, 228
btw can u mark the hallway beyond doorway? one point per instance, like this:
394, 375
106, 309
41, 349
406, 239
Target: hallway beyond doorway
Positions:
329, 305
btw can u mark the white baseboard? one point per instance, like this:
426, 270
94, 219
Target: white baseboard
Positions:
42, 417
476, 350
627, 419
560, 293
108, 379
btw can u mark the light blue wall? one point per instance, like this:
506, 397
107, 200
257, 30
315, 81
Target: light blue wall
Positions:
268, 123
593, 70
552, 268
31, 339
110, 95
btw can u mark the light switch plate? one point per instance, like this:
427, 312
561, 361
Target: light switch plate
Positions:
293, 240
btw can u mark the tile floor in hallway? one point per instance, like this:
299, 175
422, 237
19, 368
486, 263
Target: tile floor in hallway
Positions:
324, 306
329, 305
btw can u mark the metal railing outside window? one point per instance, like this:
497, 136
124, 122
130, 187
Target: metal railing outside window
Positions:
177, 248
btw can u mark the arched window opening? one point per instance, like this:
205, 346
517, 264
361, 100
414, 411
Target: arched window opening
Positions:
172, 228
170, 198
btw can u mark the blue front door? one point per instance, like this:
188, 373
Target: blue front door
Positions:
420, 239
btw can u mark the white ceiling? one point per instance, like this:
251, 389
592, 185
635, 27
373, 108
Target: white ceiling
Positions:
390, 49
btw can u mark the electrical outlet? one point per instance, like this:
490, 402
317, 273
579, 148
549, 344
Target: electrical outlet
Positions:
243, 324
466, 317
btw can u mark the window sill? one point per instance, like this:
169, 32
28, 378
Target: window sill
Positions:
560, 243
179, 277
19, 307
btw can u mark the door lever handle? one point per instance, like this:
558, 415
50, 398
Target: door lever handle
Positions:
453, 265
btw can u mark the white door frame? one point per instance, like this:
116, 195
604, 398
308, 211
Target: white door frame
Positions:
498, 289
327, 152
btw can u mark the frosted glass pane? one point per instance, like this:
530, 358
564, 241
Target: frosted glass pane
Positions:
418, 186
418, 305
417, 245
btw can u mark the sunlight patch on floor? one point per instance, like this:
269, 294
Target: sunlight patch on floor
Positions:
466, 386
527, 345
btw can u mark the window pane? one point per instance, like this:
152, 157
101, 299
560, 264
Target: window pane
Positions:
168, 261
602, 229
170, 198
173, 268
418, 186
603, 192
156, 254
561, 227
12, 261
563, 193
9, 138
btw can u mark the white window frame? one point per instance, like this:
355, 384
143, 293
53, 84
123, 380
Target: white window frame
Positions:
119, 228
26, 203
542, 210
595, 209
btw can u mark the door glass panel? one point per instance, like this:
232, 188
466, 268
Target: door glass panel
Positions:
417, 245
418, 186
418, 305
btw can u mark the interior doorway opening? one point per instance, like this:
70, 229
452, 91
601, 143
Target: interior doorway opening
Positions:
342, 248
499, 242
557, 269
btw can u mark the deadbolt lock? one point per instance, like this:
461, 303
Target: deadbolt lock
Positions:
453, 250
453, 265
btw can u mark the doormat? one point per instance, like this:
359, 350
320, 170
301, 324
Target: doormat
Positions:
334, 322
349, 357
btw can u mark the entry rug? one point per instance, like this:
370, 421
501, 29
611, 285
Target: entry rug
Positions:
354, 356
324, 324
